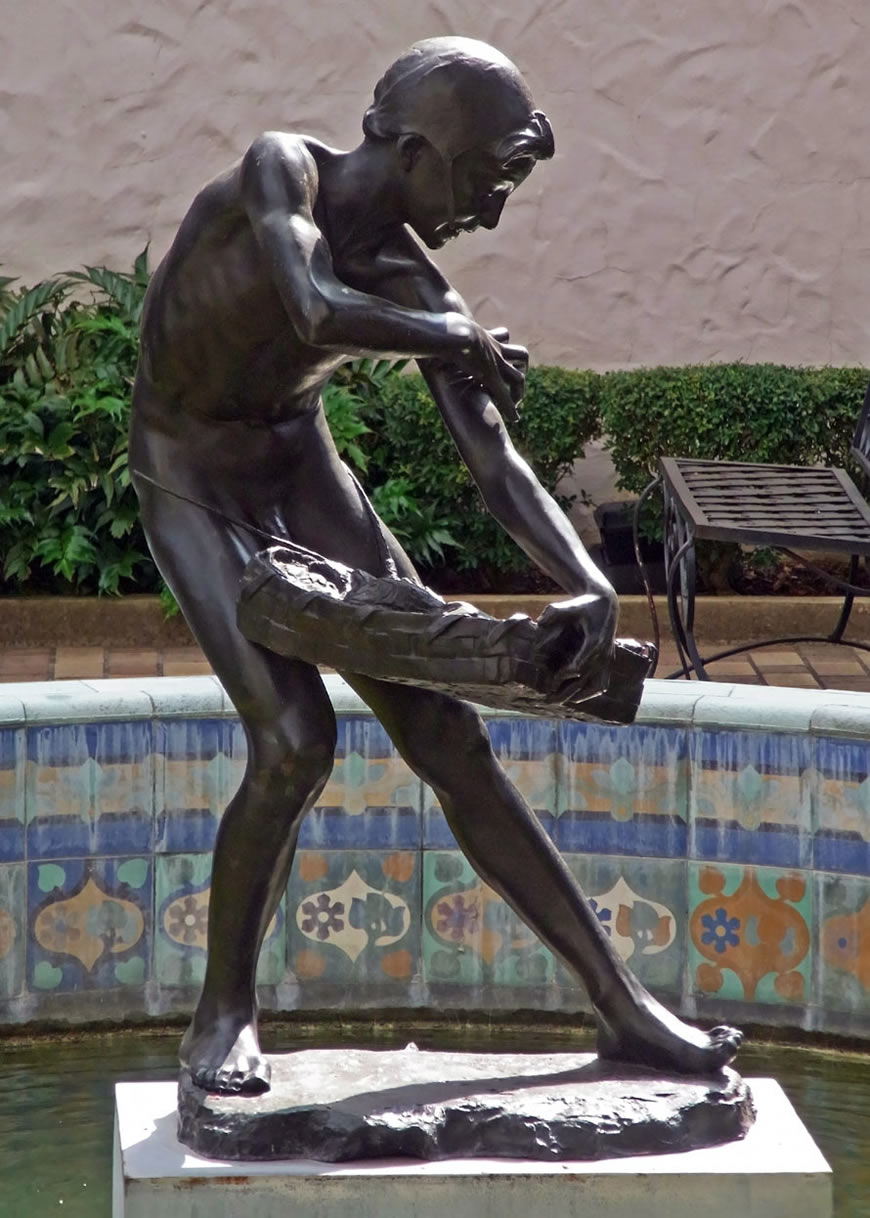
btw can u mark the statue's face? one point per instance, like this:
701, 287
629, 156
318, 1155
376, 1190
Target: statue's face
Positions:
482, 180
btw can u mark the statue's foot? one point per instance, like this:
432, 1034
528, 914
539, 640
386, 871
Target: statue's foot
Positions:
224, 1056
636, 1028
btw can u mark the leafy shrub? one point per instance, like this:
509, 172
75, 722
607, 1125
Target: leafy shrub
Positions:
425, 492
353, 392
730, 412
68, 515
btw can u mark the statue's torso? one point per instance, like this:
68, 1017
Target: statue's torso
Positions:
216, 340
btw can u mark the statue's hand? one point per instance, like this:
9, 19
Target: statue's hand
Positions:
496, 366
515, 354
576, 637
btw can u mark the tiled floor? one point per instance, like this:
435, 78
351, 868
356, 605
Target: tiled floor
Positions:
807, 666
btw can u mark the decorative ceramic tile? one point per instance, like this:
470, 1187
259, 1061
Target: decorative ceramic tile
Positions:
191, 770
752, 796
12, 766
13, 929
621, 790
90, 923
182, 892
844, 943
749, 933
842, 820
525, 749
372, 799
642, 905
353, 919
470, 936
89, 789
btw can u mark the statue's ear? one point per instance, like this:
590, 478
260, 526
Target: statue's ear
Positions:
410, 146
546, 132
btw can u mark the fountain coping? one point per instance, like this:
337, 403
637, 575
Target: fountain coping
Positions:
822, 712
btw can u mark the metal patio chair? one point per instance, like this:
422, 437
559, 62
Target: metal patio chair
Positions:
786, 507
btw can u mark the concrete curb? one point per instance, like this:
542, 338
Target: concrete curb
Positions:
138, 621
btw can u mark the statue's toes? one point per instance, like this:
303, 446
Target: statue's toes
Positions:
204, 1077
250, 1078
247, 1077
253, 1082
724, 1034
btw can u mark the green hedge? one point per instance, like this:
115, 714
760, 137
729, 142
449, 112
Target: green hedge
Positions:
730, 412
407, 444
69, 519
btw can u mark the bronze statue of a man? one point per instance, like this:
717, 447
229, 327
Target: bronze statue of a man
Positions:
296, 259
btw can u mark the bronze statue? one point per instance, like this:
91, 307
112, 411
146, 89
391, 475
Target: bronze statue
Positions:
296, 259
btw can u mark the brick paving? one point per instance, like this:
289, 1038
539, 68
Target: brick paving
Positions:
803, 666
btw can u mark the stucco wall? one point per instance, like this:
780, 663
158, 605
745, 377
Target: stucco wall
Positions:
710, 198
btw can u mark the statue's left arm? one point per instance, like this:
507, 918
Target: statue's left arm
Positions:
507, 484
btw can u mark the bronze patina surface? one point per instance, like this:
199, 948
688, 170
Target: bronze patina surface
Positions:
294, 260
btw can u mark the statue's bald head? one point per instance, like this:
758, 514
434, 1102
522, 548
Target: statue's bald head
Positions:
458, 94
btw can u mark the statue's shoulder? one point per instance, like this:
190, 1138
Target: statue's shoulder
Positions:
293, 157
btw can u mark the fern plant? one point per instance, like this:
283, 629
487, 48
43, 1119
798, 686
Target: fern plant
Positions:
69, 520
27, 318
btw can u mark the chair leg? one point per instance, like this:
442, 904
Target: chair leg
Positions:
681, 579
836, 635
681, 609
642, 567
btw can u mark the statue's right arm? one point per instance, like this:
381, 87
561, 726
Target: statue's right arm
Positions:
278, 181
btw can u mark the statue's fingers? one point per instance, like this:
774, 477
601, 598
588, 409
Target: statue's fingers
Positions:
503, 395
515, 379
516, 355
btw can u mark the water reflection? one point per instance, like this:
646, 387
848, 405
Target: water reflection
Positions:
56, 1111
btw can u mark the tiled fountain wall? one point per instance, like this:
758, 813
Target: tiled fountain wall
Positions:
724, 839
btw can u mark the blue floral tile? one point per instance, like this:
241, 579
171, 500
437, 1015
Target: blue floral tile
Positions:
353, 922
181, 891
12, 817
13, 929
89, 790
622, 790
90, 924
642, 906
191, 766
471, 938
843, 904
181, 901
526, 751
752, 797
750, 933
842, 806
372, 800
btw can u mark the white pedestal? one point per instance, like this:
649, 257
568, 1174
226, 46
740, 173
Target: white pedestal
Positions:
777, 1171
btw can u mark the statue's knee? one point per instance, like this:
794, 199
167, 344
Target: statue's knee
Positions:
298, 764
462, 726
312, 764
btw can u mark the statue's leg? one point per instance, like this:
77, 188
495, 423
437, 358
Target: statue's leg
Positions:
290, 729
445, 742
